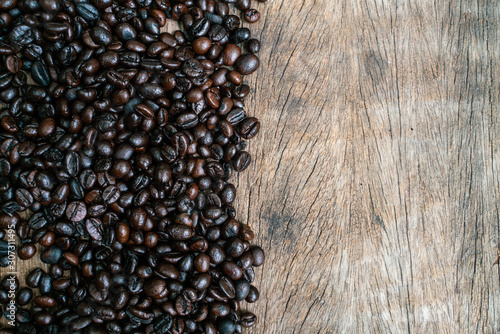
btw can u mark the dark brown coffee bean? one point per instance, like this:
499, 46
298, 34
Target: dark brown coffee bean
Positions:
258, 255
179, 232
135, 46
33, 278
241, 161
123, 232
76, 211
13, 64
201, 281
117, 79
226, 286
121, 168
253, 295
232, 270
202, 263
249, 128
231, 54
111, 194
248, 319
202, 45
155, 288
193, 68
253, 46
144, 110
247, 64
26, 251
46, 127
44, 319
216, 254
102, 4
71, 258
45, 301
94, 228
251, 15
152, 91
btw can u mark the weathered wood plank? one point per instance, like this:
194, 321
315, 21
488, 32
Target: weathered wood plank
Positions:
375, 183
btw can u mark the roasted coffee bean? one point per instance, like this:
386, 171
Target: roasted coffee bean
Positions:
253, 295
241, 161
24, 296
248, 319
251, 15
100, 36
226, 326
33, 278
21, 35
247, 64
240, 35
258, 255
40, 74
87, 11
253, 46
192, 68
26, 251
51, 255
125, 31
24, 197
13, 64
76, 211
242, 289
249, 128
94, 228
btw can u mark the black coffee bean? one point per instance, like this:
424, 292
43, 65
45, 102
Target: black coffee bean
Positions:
192, 68
100, 36
242, 289
24, 296
87, 11
226, 326
21, 35
24, 197
199, 28
51, 255
240, 35
130, 59
152, 91
72, 163
40, 74
187, 120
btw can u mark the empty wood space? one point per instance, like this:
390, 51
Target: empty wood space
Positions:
374, 188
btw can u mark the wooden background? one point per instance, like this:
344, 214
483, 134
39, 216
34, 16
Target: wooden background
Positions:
375, 183
375, 186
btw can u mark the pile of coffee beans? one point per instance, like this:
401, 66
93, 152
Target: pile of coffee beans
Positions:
117, 143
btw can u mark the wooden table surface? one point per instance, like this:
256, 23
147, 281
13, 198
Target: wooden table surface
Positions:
375, 183
375, 186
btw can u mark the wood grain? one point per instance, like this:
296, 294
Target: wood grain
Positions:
375, 184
